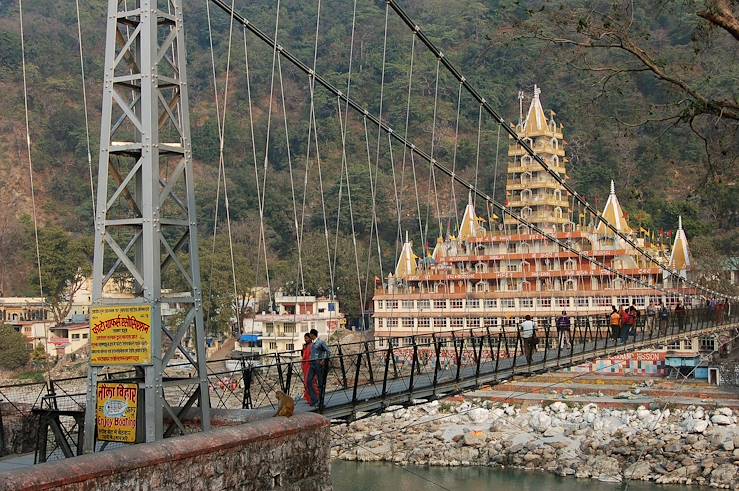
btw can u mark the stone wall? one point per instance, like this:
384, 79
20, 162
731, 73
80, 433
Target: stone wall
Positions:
290, 454
18, 428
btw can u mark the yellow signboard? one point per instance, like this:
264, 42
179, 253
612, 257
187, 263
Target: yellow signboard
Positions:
120, 335
116, 412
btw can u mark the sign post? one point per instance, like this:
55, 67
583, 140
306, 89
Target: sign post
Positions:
117, 412
120, 335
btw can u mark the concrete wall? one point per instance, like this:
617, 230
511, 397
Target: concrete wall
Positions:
290, 454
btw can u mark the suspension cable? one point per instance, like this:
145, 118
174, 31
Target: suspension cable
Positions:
28, 150
477, 150
84, 104
432, 173
405, 149
453, 204
342, 125
221, 159
266, 152
312, 120
298, 238
414, 150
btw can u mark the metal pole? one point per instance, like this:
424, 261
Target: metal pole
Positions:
437, 364
387, 366
497, 356
344, 382
413, 368
356, 378
369, 362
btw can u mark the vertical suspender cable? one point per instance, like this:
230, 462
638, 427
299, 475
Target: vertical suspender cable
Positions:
266, 152
432, 177
84, 103
342, 125
312, 120
298, 238
477, 151
453, 204
30, 175
28, 150
221, 160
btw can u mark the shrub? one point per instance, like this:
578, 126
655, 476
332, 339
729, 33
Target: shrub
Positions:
14, 352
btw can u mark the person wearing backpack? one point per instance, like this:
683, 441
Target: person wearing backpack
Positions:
528, 338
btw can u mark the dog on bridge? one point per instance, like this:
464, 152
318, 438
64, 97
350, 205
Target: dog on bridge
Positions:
285, 404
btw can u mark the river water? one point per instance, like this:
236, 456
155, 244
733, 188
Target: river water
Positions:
371, 476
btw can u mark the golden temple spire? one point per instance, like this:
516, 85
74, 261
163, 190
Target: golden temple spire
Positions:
614, 215
469, 227
680, 255
536, 121
407, 261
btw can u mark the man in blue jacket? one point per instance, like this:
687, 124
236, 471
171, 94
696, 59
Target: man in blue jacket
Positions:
318, 367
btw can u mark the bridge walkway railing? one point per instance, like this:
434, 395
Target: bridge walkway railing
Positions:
365, 376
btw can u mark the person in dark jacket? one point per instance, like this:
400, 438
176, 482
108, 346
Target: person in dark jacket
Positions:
564, 335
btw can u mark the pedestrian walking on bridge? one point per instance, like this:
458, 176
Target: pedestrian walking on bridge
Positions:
528, 338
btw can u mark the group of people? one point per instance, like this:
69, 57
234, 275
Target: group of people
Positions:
622, 323
315, 367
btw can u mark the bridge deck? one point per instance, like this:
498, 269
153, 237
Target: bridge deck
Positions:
339, 403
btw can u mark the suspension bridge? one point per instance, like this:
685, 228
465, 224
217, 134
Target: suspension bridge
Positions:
336, 147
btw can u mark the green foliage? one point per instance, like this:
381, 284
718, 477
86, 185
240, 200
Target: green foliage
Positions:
65, 262
661, 169
39, 357
14, 352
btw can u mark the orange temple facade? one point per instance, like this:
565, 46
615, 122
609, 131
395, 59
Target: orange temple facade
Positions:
493, 273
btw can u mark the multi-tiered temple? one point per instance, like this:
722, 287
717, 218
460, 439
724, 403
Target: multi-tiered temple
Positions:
488, 277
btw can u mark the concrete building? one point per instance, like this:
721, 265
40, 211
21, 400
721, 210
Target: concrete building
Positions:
68, 338
296, 315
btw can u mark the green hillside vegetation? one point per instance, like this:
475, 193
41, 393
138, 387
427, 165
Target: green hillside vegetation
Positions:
671, 148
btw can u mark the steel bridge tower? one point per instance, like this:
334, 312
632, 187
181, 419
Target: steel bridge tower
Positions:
145, 219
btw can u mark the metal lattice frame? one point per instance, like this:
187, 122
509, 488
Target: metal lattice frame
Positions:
145, 225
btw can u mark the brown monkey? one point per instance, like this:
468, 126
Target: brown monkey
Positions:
285, 404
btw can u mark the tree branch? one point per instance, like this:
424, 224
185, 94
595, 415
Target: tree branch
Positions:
720, 13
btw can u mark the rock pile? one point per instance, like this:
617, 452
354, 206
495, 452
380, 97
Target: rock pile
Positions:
690, 446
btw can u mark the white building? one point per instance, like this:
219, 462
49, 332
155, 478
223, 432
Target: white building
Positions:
296, 315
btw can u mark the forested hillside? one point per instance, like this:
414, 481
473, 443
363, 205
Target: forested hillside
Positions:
648, 97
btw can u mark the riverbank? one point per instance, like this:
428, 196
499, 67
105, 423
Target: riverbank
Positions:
694, 445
